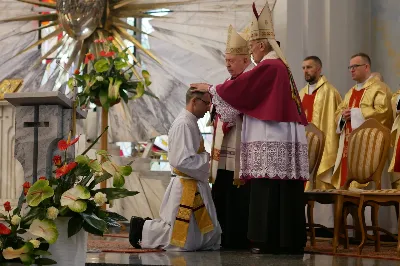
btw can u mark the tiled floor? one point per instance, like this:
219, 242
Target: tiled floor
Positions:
222, 258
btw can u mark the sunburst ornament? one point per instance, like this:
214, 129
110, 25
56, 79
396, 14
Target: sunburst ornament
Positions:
82, 22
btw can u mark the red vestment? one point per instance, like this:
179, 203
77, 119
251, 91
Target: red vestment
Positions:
263, 93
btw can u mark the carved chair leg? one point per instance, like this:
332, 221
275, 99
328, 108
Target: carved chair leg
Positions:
310, 218
398, 228
375, 224
337, 222
345, 231
361, 219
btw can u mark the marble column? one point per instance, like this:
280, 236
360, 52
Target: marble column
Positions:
11, 172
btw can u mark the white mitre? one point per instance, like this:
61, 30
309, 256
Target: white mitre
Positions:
162, 142
261, 27
236, 43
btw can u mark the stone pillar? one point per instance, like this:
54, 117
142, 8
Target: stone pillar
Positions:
11, 172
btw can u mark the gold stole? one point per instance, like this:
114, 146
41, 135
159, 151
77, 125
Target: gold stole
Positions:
191, 201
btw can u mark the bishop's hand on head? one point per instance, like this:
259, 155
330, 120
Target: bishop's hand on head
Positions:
201, 87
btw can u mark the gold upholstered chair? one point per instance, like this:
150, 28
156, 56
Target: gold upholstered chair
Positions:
368, 148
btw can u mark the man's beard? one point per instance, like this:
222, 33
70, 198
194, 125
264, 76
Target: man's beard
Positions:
311, 79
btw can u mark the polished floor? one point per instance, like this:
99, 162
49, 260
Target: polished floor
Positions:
223, 258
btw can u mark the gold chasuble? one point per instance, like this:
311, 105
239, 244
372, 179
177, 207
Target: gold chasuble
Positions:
395, 162
320, 107
191, 202
373, 99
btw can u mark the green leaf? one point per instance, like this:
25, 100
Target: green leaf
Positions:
139, 91
32, 214
82, 159
90, 229
71, 82
124, 96
94, 221
145, 74
116, 216
102, 65
75, 225
118, 180
44, 228
116, 193
113, 88
45, 261
102, 153
111, 222
98, 180
119, 64
41, 252
27, 259
103, 95
85, 180
95, 165
10, 253
125, 170
38, 192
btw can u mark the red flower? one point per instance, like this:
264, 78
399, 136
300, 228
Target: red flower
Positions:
65, 169
76, 72
26, 187
57, 160
4, 230
99, 41
64, 144
107, 54
42, 178
89, 57
111, 38
7, 206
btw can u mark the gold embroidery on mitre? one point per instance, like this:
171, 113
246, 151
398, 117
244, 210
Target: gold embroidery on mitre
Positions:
262, 27
236, 43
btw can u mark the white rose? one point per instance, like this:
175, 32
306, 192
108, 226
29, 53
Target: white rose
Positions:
35, 243
15, 220
99, 78
100, 198
52, 213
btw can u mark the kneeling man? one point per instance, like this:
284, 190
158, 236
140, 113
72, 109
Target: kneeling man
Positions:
188, 220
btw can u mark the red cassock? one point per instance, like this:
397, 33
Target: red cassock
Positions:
263, 93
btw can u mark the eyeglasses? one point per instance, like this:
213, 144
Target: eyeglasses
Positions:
355, 66
205, 102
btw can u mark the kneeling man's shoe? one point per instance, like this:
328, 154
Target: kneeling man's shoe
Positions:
135, 231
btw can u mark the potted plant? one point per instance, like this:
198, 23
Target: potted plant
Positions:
16, 247
71, 200
109, 77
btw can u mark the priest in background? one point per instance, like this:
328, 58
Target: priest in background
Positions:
231, 197
369, 98
320, 99
274, 155
394, 167
188, 220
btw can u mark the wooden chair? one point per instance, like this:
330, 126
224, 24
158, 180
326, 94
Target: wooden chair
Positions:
344, 197
368, 152
374, 159
316, 144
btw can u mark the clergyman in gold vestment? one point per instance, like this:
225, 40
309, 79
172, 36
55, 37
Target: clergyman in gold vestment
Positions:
320, 100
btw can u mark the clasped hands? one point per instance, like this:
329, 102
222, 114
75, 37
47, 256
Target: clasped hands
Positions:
346, 114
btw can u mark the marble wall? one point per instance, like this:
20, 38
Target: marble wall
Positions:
385, 40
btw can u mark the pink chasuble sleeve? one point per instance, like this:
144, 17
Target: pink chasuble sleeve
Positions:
263, 93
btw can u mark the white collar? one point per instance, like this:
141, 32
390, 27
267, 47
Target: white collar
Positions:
359, 86
270, 55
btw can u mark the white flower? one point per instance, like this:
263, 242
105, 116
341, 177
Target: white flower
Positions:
35, 243
100, 198
52, 213
15, 220
99, 78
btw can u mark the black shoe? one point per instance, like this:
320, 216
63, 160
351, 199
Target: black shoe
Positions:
135, 231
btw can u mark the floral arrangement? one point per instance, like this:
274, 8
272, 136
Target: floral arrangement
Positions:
71, 192
15, 248
109, 78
